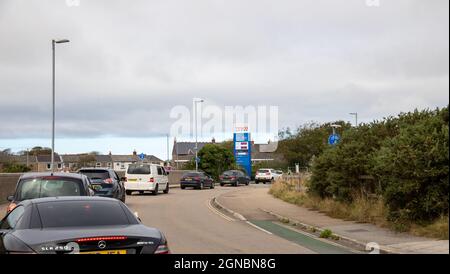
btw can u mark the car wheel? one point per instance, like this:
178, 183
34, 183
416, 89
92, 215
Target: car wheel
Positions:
128, 192
247, 183
221, 184
212, 185
256, 182
167, 189
155, 192
236, 184
182, 187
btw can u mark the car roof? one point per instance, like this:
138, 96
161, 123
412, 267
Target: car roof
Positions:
95, 168
44, 174
67, 198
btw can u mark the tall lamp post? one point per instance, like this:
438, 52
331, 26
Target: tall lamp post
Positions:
356, 117
53, 99
196, 142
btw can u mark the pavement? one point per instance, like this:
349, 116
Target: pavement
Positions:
254, 203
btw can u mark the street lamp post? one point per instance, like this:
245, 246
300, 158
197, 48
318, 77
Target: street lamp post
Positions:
53, 99
196, 142
356, 117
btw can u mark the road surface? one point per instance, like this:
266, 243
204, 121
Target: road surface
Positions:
192, 225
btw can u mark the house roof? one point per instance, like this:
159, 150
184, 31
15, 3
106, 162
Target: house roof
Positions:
124, 158
48, 158
103, 158
152, 158
184, 148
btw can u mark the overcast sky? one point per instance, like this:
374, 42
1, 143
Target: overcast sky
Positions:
130, 62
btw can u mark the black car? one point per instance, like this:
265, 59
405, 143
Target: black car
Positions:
196, 179
105, 182
60, 225
48, 184
234, 178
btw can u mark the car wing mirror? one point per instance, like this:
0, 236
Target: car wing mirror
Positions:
136, 214
10, 198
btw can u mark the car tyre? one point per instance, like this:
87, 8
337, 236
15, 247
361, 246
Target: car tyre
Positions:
182, 187
167, 189
128, 192
212, 186
155, 192
222, 184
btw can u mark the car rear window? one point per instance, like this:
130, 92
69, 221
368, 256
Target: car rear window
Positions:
139, 169
230, 172
81, 213
263, 170
49, 187
96, 174
192, 174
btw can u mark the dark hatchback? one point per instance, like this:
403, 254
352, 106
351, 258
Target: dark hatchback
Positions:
105, 182
197, 180
234, 178
47, 184
61, 225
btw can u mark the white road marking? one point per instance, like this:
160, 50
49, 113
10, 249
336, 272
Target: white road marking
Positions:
208, 204
259, 228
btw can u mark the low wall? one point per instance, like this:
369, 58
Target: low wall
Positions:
175, 176
8, 183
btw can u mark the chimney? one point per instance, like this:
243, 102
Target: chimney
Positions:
213, 140
134, 153
110, 153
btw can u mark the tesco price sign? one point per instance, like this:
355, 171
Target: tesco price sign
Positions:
241, 145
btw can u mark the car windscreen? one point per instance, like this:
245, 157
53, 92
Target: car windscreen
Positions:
96, 175
81, 213
49, 187
138, 169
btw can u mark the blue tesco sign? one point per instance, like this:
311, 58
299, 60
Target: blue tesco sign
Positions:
243, 151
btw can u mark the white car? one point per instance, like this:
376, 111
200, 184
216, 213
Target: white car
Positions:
278, 174
265, 175
146, 177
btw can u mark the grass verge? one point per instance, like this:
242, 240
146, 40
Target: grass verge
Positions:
360, 210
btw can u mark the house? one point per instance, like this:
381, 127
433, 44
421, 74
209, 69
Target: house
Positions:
183, 152
44, 162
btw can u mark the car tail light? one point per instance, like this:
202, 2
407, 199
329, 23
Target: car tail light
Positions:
95, 239
108, 181
124, 179
162, 249
10, 207
151, 180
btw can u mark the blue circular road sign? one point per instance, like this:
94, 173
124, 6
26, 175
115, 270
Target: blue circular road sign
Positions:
333, 139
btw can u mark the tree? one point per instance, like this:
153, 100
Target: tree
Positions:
35, 151
215, 159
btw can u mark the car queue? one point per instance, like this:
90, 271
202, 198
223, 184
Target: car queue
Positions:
88, 210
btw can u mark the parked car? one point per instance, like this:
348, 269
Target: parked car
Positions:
146, 177
48, 184
105, 182
234, 178
265, 175
197, 180
91, 225
278, 174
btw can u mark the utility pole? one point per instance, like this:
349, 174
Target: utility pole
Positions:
196, 141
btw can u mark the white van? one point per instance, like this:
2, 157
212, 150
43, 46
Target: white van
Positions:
146, 177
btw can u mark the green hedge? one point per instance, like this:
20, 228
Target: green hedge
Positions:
404, 160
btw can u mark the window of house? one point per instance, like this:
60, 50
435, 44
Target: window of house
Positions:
49, 166
98, 164
59, 165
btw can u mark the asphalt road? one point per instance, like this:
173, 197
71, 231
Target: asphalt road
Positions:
191, 225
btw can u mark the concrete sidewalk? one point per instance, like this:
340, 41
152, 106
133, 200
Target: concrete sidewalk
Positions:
254, 203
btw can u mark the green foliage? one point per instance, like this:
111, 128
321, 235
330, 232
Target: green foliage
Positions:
326, 234
14, 168
215, 159
402, 159
309, 141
